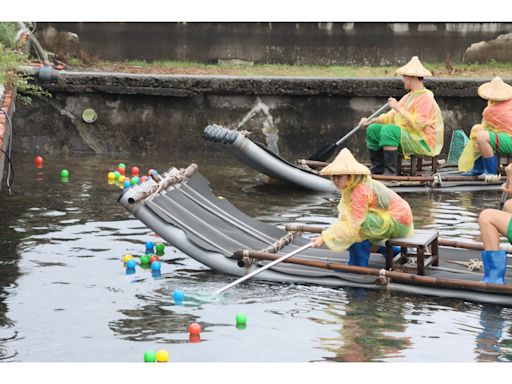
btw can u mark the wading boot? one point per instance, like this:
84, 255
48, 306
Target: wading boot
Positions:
495, 265
390, 162
477, 170
377, 159
359, 253
490, 165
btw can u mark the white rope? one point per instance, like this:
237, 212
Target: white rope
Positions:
438, 180
492, 178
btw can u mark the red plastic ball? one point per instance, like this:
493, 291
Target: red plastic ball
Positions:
154, 258
38, 162
135, 171
194, 329
122, 171
143, 178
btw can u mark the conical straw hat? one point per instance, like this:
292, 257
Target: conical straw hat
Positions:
345, 164
496, 89
414, 68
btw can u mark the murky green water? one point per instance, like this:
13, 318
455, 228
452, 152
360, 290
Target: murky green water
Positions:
64, 295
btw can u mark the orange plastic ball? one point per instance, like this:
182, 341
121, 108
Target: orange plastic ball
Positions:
194, 329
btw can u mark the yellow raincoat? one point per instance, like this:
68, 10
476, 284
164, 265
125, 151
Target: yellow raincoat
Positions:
368, 210
496, 117
427, 125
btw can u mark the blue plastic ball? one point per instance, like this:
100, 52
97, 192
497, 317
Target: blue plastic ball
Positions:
178, 295
155, 266
130, 264
126, 184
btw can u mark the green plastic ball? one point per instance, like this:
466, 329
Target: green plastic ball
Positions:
64, 173
159, 249
145, 259
121, 165
241, 319
150, 357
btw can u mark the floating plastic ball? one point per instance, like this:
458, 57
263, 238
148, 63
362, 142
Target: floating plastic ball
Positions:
117, 174
135, 171
38, 161
150, 247
154, 258
143, 178
159, 249
121, 170
162, 356
121, 179
152, 172
126, 258
178, 295
149, 357
111, 176
64, 173
145, 259
131, 264
127, 184
156, 266
194, 329
241, 319
121, 165
135, 180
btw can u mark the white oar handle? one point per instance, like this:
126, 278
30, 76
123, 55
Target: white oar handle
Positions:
374, 114
266, 266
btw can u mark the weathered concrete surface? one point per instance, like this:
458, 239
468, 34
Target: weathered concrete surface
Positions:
499, 49
168, 113
279, 43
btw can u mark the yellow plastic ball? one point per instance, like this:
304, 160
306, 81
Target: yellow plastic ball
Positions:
111, 175
126, 258
162, 356
121, 179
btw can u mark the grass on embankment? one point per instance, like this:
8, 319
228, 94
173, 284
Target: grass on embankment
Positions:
191, 68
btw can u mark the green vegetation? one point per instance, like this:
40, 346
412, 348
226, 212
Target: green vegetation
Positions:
182, 67
11, 57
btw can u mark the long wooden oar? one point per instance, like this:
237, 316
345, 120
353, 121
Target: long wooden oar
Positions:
324, 153
267, 266
504, 197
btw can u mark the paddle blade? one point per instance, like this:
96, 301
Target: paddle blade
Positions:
324, 153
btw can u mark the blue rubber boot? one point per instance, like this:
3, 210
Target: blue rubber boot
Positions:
359, 253
495, 265
490, 165
477, 170
382, 250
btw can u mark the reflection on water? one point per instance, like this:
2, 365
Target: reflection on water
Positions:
64, 295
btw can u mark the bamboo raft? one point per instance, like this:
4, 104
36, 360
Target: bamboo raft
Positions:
182, 209
305, 173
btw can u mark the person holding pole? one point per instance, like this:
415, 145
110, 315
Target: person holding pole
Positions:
368, 212
414, 125
494, 223
493, 135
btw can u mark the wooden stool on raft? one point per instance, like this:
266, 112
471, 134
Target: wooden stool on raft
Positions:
422, 242
416, 164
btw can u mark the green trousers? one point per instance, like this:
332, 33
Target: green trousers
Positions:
382, 135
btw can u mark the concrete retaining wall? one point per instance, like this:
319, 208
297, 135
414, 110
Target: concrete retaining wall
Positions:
168, 113
281, 43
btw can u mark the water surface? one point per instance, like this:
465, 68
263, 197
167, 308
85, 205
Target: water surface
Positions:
64, 295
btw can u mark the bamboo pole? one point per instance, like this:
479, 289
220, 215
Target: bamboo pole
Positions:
444, 242
392, 275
